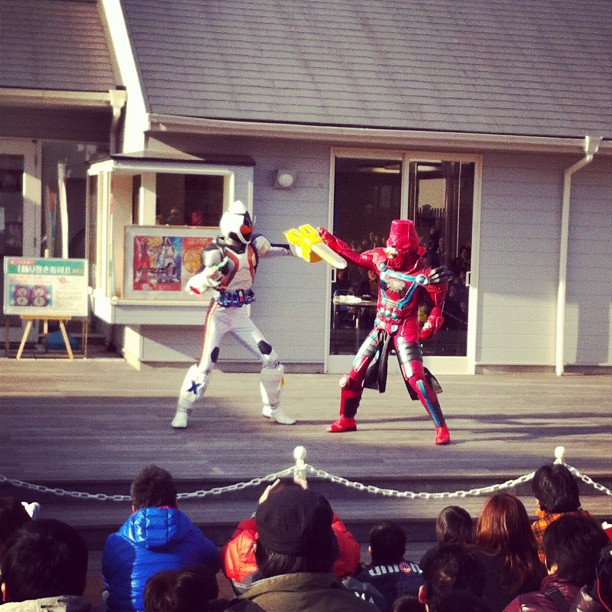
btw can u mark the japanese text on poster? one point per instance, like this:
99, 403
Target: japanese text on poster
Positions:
45, 287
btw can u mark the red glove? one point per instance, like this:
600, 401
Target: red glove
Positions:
434, 323
325, 235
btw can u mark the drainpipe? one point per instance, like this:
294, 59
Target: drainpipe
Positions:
591, 146
118, 98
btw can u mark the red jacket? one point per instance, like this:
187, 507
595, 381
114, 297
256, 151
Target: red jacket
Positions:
539, 602
238, 555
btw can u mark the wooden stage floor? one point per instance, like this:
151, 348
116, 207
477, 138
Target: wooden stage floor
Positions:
86, 419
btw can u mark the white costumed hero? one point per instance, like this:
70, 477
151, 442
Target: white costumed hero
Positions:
229, 267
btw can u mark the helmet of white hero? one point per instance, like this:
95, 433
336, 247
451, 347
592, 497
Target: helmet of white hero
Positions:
236, 223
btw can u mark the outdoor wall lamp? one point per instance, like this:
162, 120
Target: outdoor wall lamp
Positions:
285, 179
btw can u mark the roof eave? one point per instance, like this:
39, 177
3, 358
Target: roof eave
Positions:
374, 136
47, 98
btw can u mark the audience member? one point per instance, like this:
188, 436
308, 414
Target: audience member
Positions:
572, 545
296, 549
453, 526
157, 536
12, 516
369, 286
450, 567
189, 589
407, 603
508, 551
365, 591
388, 571
434, 250
597, 596
45, 568
462, 601
556, 492
462, 263
238, 555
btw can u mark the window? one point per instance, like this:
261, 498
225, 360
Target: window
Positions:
188, 199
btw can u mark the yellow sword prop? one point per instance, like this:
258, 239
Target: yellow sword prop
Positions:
311, 246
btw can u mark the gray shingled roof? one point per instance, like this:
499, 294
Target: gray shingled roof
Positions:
54, 45
527, 67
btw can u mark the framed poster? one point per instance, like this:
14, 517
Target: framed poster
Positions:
45, 287
160, 259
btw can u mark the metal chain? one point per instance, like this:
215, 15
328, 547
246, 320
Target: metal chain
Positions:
412, 495
588, 480
255, 482
374, 490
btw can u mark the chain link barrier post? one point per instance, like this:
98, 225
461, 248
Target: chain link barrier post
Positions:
299, 471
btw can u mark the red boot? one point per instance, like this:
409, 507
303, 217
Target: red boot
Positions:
442, 435
343, 424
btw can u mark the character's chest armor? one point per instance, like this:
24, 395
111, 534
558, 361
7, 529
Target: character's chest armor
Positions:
398, 289
241, 268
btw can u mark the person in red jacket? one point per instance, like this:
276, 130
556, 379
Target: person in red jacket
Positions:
572, 546
238, 555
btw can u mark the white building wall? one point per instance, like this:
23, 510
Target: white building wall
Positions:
519, 258
291, 298
588, 314
519, 261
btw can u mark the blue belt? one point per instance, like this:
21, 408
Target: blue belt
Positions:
238, 298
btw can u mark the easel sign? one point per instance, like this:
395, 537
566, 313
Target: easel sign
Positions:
45, 288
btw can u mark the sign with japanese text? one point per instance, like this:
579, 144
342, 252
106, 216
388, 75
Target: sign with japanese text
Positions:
45, 287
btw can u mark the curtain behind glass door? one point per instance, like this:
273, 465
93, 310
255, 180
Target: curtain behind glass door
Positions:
11, 214
367, 196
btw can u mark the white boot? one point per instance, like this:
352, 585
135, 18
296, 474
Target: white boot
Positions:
193, 387
180, 418
277, 414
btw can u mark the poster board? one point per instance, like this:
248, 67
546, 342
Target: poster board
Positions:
160, 259
45, 287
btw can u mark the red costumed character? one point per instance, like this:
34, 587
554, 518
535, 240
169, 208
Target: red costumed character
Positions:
404, 283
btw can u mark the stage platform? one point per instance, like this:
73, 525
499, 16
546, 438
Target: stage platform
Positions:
90, 425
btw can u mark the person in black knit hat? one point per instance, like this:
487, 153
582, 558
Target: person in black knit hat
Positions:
296, 549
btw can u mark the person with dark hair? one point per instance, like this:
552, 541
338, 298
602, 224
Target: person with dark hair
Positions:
388, 571
453, 526
238, 554
157, 536
572, 545
296, 549
407, 603
12, 516
462, 601
45, 566
507, 549
189, 589
556, 492
450, 567
597, 596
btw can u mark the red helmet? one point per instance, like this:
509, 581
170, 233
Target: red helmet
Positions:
403, 236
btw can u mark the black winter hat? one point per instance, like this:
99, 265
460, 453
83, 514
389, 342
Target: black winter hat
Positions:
295, 522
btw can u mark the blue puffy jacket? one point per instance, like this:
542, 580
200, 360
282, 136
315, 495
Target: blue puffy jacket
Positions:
150, 541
